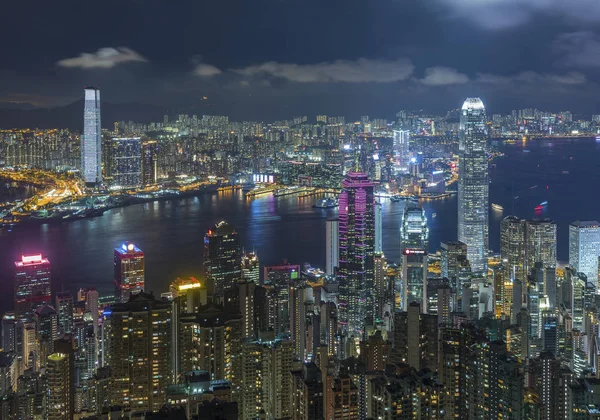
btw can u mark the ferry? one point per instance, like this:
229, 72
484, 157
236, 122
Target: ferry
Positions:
497, 207
598, 138
326, 203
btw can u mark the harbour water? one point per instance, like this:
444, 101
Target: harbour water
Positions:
562, 172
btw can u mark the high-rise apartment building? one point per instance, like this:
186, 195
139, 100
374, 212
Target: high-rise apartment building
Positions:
126, 162
139, 348
357, 249
64, 307
222, 258
332, 246
129, 271
60, 376
91, 140
473, 185
584, 248
32, 285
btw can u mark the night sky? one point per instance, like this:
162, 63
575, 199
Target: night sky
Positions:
268, 59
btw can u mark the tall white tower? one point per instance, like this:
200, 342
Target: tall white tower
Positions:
91, 140
473, 184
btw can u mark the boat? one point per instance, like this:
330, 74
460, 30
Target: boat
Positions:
326, 203
497, 207
598, 138
544, 203
434, 215
395, 198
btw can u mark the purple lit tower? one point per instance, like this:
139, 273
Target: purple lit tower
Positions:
357, 249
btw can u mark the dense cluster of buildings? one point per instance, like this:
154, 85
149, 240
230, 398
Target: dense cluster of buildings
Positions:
511, 337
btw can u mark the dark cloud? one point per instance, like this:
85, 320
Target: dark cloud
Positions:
440, 76
579, 49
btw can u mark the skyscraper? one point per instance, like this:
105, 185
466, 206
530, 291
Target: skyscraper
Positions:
378, 227
91, 140
129, 271
512, 248
149, 162
126, 168
32, 285
60, 376
400, 148
414, 233
454, 261
140, 359
473, 185
540, 243
357, 249
414, 239
222, 258
332, 246
584, 248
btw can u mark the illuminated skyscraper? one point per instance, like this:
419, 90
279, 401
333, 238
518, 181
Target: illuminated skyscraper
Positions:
139, 330
149, 162
512, 248
413, 230
60, 376
400, 148
129, 271
126, 168
584, 248
332, 246
251, 267
540, 243
32, 285
378, 227
91, 140
357, 249
222, 258
473, 185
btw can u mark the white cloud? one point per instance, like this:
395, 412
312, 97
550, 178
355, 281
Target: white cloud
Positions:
571, 78
206, 70
500, 14
362, 70
579, 49
440, 76
103, 58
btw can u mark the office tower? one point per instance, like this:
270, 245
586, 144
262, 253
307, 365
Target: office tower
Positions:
342, 399
46, 327
400, 149
210, 341
246, 307
454, 262
32, 285
584, 248
357, 248
129, 271
251, 268
60, 376
332, 246
444, 304
383, 288
415, 338
307, 393
222, 258
540, 243
126, 170
189, 294
64, 308
414, 233
550, 332
139, 386
512, 248
149, 162
473, 185
378, 227
91, 139
414, 278
9, 372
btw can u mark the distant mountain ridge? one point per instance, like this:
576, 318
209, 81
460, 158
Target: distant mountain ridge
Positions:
71, 116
